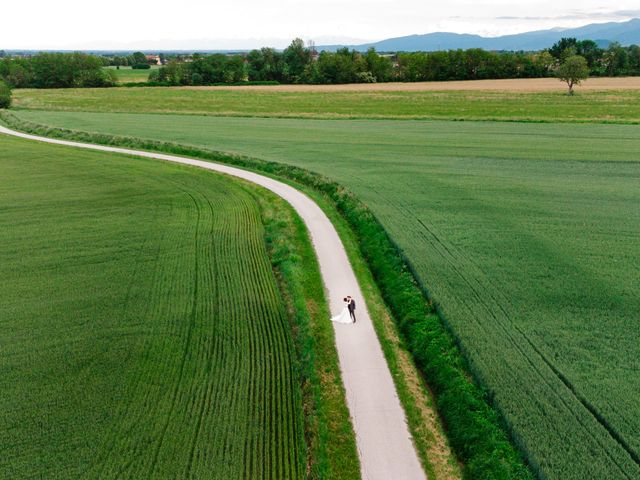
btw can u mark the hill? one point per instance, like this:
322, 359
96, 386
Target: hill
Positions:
627, 33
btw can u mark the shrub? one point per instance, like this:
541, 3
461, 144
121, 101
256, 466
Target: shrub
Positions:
141, 66
5, 95
111, 77
196, 79
366, 77
154, 76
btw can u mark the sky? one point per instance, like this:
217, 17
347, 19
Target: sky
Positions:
241, 24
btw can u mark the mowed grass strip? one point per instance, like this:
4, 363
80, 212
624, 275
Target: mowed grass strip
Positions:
143, 333
525, 235
617, 106
131, 75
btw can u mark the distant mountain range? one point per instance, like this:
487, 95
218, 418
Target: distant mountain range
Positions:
627, 33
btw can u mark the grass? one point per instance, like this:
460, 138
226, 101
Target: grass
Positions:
609, 106
429, 437
472, 426
426, 428
525, 235
130, 75
145, 334
329, 433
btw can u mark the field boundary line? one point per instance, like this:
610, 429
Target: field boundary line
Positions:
383, 440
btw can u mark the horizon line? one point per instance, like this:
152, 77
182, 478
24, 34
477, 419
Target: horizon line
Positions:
307, 40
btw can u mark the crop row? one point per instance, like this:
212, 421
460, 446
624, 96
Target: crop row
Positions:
161, 346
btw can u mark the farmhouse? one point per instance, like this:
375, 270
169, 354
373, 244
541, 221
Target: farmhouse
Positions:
154, 59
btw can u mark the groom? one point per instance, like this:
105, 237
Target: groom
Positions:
351, 304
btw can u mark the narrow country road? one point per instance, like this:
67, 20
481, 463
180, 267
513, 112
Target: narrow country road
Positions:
384, 444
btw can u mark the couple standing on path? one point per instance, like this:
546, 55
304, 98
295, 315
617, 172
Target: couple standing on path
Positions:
348, 314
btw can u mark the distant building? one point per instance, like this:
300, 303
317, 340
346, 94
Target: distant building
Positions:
154, 59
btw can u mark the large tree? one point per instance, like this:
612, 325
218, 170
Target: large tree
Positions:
265, 65
564, 48
380, 67
138, 58
573, 71
296, 59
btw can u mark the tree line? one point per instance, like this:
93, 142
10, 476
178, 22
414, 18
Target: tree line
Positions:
65, 70
301, 64
56, 70
136, 59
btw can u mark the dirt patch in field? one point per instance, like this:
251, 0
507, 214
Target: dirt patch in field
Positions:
511, 85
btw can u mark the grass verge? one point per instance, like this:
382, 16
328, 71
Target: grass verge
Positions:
475, 430
417, 400
331, 446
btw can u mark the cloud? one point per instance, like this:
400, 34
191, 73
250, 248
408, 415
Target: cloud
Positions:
578, 15
627, 13
511, 17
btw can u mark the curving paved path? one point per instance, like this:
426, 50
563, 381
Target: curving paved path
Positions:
384, 444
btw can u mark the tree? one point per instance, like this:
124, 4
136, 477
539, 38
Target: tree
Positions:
589, 50
416, 67
265, 65
634, 60
16, 72
573, 71
110, 78
616, 60
154, 76
564, 48
381, 68
138, 57
545, 63
62, 70
5, 95
338, 67
174, 73
296, 58
235, 70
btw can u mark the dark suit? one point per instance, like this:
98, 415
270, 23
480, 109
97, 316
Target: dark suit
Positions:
352, 309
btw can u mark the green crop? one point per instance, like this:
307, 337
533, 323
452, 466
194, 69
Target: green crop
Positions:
143, 332
525, 236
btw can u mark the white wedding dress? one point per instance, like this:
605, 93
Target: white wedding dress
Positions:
344, 316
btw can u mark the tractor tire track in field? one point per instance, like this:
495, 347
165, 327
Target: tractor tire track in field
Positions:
111, 440
382, 435
453, 258
187, 343
201, 413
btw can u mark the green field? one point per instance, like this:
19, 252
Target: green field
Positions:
608, 106
129, 75
525, 234
143, 332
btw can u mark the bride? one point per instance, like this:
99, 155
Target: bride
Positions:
344, 316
